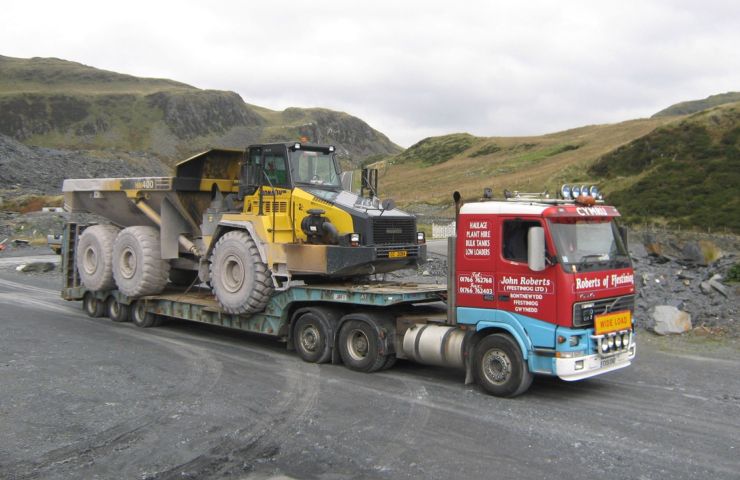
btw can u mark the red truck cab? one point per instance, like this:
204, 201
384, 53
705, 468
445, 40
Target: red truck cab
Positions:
555, 276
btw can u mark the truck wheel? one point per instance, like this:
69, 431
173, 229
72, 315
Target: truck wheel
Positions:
240, 281
499, 367
311, 338
118, 312
94, 257
358, 347
92, 306
143, 318
183, 278
137, 263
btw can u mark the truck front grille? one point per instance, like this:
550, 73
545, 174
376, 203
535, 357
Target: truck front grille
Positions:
394, 231
604, 305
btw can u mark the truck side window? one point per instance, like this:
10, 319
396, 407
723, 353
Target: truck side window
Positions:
515, 239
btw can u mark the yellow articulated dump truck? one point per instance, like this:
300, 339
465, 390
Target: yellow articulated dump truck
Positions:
245, 222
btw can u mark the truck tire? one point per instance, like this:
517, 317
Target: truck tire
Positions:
138, 267
118, 312
358, 347
143, 318
94, 257
240, 281
499, 367
92, 306
311, 338
183, 278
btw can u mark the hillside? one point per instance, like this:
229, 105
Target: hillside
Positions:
685, 174
440, 165
60, 104
694, 106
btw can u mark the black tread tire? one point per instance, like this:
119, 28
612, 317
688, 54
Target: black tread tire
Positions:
503, 353
311, 338
141, 317
358, 347
240, 280
390, 360
118, 312
94, 257
138, 267
183, 278
92, 306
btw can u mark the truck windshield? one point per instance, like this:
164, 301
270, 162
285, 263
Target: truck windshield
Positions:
314, 168
588, 244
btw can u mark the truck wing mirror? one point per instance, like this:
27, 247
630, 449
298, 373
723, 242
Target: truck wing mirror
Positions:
536, 249
347, 180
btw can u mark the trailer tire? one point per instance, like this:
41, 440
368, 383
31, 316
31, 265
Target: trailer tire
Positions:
358, 347
117, 311
499, 367
240, 280
311, 338
95, 257
92, 305
183, 278
143, 318
137, 262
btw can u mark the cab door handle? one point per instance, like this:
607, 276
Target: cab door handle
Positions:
503, 298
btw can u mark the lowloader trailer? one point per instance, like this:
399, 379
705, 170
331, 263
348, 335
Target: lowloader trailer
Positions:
535, 287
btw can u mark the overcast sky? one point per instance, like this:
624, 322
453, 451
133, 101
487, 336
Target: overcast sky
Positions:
411, 69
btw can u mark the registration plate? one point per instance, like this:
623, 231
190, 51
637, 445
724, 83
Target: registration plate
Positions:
397, 254
612, 322
608, 362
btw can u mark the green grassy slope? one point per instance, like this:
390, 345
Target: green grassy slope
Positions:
55, 103
685, 174
694, 106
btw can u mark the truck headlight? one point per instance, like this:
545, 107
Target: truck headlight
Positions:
420, 237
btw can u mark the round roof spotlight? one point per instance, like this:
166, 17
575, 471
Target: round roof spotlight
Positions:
584, 190
575, 191
565, 191
594, 191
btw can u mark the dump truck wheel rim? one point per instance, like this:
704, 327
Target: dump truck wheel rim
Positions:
90, 261
233, 273
128, 262
357, 345
496, 366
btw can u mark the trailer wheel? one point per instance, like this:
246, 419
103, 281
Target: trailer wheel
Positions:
390, 360
92, 306
94, 257
358, 347
240, 281
143, 318
137, 263
311, 338
183, 278
499, 367
118, 312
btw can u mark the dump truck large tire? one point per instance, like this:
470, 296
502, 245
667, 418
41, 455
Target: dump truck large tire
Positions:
240, 280
138, 267
94, 257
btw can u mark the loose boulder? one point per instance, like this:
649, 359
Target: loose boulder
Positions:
669, 320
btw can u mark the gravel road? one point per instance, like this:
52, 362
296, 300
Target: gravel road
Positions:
89, 398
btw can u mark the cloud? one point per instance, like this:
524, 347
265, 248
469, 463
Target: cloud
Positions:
411, 69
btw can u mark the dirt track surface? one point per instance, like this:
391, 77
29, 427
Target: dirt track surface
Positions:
89, 398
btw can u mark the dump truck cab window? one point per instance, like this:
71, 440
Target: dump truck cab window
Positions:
276, 170
315, 168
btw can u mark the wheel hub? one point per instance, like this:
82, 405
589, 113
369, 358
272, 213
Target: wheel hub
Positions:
496, 366
128, 263
90, 261
357, 345
310, 338
233, 273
